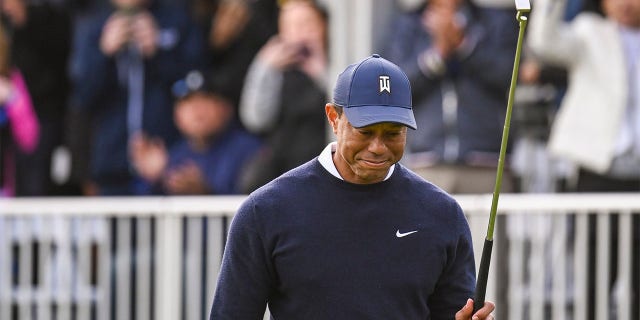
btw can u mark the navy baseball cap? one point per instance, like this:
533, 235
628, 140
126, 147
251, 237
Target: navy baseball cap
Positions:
374, 90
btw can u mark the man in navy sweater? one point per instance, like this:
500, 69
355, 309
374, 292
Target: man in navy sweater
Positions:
352, 234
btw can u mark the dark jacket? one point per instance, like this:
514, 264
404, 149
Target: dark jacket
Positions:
468, 128
97, 88
40, 49
223, 162
299, 135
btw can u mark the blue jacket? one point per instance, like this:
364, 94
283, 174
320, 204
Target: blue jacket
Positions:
468, 127
222, 163
97, 87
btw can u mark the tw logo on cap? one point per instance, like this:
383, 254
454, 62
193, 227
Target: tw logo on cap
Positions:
385, 84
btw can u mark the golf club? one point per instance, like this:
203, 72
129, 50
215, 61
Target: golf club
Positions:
522, 7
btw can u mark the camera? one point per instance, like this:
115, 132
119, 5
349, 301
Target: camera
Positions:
304, 51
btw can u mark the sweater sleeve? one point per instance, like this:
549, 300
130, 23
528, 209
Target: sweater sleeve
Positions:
260, 100
549, 37
245, 279
457, 282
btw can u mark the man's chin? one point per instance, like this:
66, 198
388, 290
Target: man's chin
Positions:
373, 176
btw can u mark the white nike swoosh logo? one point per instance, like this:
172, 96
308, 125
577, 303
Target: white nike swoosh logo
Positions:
400, 235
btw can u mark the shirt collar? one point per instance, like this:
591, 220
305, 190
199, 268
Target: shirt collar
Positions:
326, 160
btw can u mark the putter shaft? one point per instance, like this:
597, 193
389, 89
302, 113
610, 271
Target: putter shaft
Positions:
483, 271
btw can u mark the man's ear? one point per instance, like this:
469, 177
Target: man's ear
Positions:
332, 115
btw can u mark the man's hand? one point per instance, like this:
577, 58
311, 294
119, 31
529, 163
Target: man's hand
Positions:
144, 32
186, 179
441, 22
115, 34
466, 312
230, 20
279, 54
6, 89
149, 157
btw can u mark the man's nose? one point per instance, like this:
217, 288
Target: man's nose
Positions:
377, 145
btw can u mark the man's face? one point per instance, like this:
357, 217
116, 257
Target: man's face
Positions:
445, 4
129, 4
15, 11
299, 22
364, 155
625, 12
201, 116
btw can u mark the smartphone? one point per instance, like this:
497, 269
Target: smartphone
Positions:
304, 51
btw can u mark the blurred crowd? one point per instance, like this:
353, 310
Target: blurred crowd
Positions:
160, 97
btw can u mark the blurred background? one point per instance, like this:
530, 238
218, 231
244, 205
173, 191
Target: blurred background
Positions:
131, 130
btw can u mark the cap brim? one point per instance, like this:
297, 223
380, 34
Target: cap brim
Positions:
363, 116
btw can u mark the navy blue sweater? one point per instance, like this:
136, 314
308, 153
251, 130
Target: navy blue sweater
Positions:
315, 247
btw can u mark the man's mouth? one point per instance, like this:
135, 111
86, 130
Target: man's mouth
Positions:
376, 164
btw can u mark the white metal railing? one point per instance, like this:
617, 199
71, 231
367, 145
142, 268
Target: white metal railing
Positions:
143, 258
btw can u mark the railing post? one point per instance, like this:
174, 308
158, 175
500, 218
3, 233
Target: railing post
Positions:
5, 267
624, 280
603, 265
168, 276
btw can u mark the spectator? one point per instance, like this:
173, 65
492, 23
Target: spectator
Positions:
212, 153
19, 127
459, 58
609, 49
127, 59
40, 36
597, 127
285, 84
538, 95
235, 30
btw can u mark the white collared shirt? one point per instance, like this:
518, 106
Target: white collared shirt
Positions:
326, 160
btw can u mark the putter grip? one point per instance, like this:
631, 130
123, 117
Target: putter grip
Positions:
483, 275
